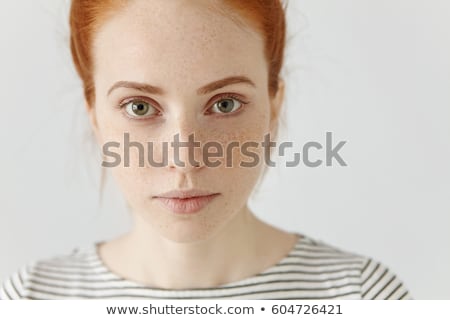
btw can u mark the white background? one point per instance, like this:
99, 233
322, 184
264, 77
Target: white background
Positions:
375, 73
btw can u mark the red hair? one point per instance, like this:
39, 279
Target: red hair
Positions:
86, 16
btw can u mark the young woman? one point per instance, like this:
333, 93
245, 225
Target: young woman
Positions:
157, 71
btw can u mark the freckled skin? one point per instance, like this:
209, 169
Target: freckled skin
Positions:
161, 53
181, 46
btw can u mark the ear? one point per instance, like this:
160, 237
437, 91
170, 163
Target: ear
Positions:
93, 120
276, 104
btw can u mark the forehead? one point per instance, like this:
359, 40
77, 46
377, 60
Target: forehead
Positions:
176, 40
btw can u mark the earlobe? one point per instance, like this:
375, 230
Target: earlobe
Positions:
276, 104
91, 114
93, 120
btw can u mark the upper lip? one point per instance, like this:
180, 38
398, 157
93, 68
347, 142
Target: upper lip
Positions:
184, 194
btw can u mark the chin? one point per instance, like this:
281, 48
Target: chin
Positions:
190, 228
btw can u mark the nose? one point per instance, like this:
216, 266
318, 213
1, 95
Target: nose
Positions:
185, 148
185, 154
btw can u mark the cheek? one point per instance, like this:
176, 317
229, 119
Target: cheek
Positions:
242, 139
132, 182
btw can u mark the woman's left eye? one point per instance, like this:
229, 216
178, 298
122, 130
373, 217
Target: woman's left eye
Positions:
227, 105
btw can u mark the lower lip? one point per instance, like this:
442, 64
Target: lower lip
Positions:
187, 205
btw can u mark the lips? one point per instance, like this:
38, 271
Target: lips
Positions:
185, 201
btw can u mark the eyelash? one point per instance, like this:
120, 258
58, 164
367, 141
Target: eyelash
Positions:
223, 96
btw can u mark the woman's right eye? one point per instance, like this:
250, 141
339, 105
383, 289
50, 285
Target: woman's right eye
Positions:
139, 109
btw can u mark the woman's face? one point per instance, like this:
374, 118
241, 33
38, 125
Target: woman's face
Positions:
181, 47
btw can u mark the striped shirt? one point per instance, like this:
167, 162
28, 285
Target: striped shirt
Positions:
312, 270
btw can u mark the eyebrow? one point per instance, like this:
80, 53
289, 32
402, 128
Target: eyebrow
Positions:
213, 86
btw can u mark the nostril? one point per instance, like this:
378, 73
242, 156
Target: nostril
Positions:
185, 165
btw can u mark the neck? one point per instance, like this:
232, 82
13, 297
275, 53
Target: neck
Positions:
240, 249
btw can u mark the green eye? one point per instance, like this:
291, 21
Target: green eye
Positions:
228, 105
138, 109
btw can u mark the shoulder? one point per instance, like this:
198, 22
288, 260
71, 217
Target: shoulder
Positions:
13, 287
52, 277
369, 278
379, 282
